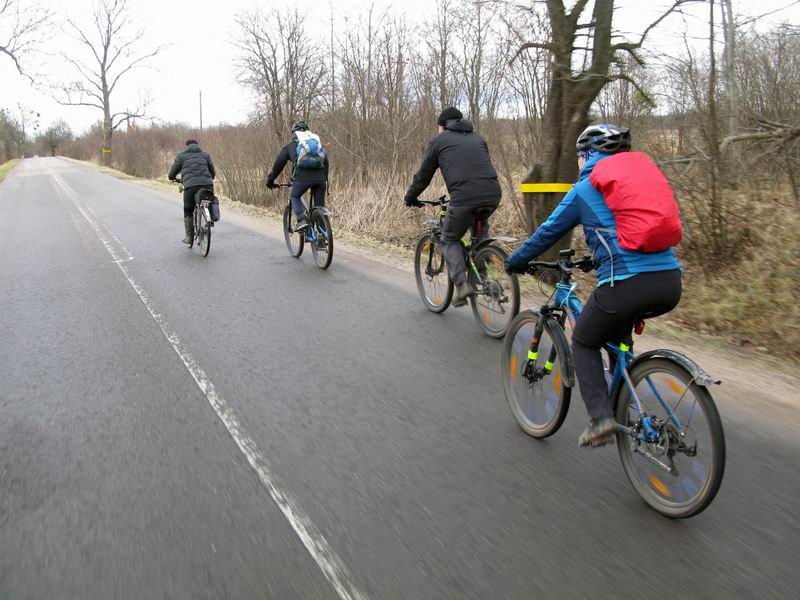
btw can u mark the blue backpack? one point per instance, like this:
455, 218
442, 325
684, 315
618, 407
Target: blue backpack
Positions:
310, 152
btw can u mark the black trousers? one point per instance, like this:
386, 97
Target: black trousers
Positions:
189, 194
456, 223
609, 316
301, 187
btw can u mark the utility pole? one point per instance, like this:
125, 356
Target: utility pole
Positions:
201, 110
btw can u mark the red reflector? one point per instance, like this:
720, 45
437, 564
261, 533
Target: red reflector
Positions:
639, 327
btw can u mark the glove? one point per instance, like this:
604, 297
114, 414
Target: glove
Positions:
271, 184
513, 270
413, 202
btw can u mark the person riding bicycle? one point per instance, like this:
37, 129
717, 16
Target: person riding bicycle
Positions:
197, 173
630, 284
463, 157
306, 174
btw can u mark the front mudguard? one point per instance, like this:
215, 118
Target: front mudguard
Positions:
562, 348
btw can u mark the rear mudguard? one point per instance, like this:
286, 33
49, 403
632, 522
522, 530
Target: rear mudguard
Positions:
698, 374
492, 240
562, 347
321, 209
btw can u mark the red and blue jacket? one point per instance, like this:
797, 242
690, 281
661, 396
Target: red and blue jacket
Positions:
585, 205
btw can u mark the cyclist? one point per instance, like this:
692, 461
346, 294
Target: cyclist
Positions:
313, 177
630, 284
197, 172
463, 157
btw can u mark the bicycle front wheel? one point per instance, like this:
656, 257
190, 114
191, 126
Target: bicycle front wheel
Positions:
679, 473
294, 240
322, 242
533, 376
496, 299
430, 269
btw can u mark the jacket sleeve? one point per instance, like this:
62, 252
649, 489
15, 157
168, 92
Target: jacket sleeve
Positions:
211, 168
176, 168
561, 221
423, 176
280, 162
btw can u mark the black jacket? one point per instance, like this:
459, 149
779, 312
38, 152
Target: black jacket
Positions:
463, 157
289, 153
195, 167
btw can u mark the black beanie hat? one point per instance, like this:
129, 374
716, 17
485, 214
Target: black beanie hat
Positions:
451, 113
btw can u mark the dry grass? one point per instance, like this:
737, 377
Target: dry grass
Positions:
6, 167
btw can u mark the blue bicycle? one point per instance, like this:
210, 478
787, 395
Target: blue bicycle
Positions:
670, 437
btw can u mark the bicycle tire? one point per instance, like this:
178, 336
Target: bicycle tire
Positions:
204, 240
487, 303
425, 253
322, 228
537, 414
294, 241
652, 488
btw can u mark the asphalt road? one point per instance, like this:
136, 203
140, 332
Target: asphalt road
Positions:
248, 426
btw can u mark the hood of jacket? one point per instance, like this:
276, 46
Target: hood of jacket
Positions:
460, 125
589, 166
193, 148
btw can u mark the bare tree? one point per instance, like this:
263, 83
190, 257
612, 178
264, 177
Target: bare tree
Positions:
54, 136
111, 52
584, 58
21, 30
279, 62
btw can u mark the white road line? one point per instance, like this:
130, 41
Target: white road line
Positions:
328, 561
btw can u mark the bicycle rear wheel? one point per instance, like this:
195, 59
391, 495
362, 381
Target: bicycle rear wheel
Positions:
430, 270
679, 473
294, 240
203, 232
322, 245
496, 299
534, 384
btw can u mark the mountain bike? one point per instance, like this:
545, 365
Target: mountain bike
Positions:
669, 433
496, 299
318, 233
201, 218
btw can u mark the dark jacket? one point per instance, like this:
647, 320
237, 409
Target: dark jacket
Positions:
463, 157
195, 167
289, 153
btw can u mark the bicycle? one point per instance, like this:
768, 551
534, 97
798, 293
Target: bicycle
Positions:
318, 232
201, 218
673, 463
496, 299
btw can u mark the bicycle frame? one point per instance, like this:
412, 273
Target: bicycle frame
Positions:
567, 301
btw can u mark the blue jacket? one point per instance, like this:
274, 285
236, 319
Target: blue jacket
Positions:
584, 205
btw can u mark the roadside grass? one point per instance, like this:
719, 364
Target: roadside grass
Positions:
6, 167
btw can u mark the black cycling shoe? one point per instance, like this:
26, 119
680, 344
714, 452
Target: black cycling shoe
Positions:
599, 433
300, 225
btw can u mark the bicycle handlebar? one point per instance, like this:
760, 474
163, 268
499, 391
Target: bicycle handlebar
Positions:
585, 264
440, 201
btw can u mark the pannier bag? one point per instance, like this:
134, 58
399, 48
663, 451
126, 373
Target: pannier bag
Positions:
641, 199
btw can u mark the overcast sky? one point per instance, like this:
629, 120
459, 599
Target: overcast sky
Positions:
201, 54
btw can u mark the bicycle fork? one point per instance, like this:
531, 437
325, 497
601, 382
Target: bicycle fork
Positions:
532, 374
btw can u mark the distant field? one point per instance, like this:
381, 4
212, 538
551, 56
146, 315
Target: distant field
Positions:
6, 167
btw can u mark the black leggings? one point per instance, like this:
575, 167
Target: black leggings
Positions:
189, 194
609, 315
